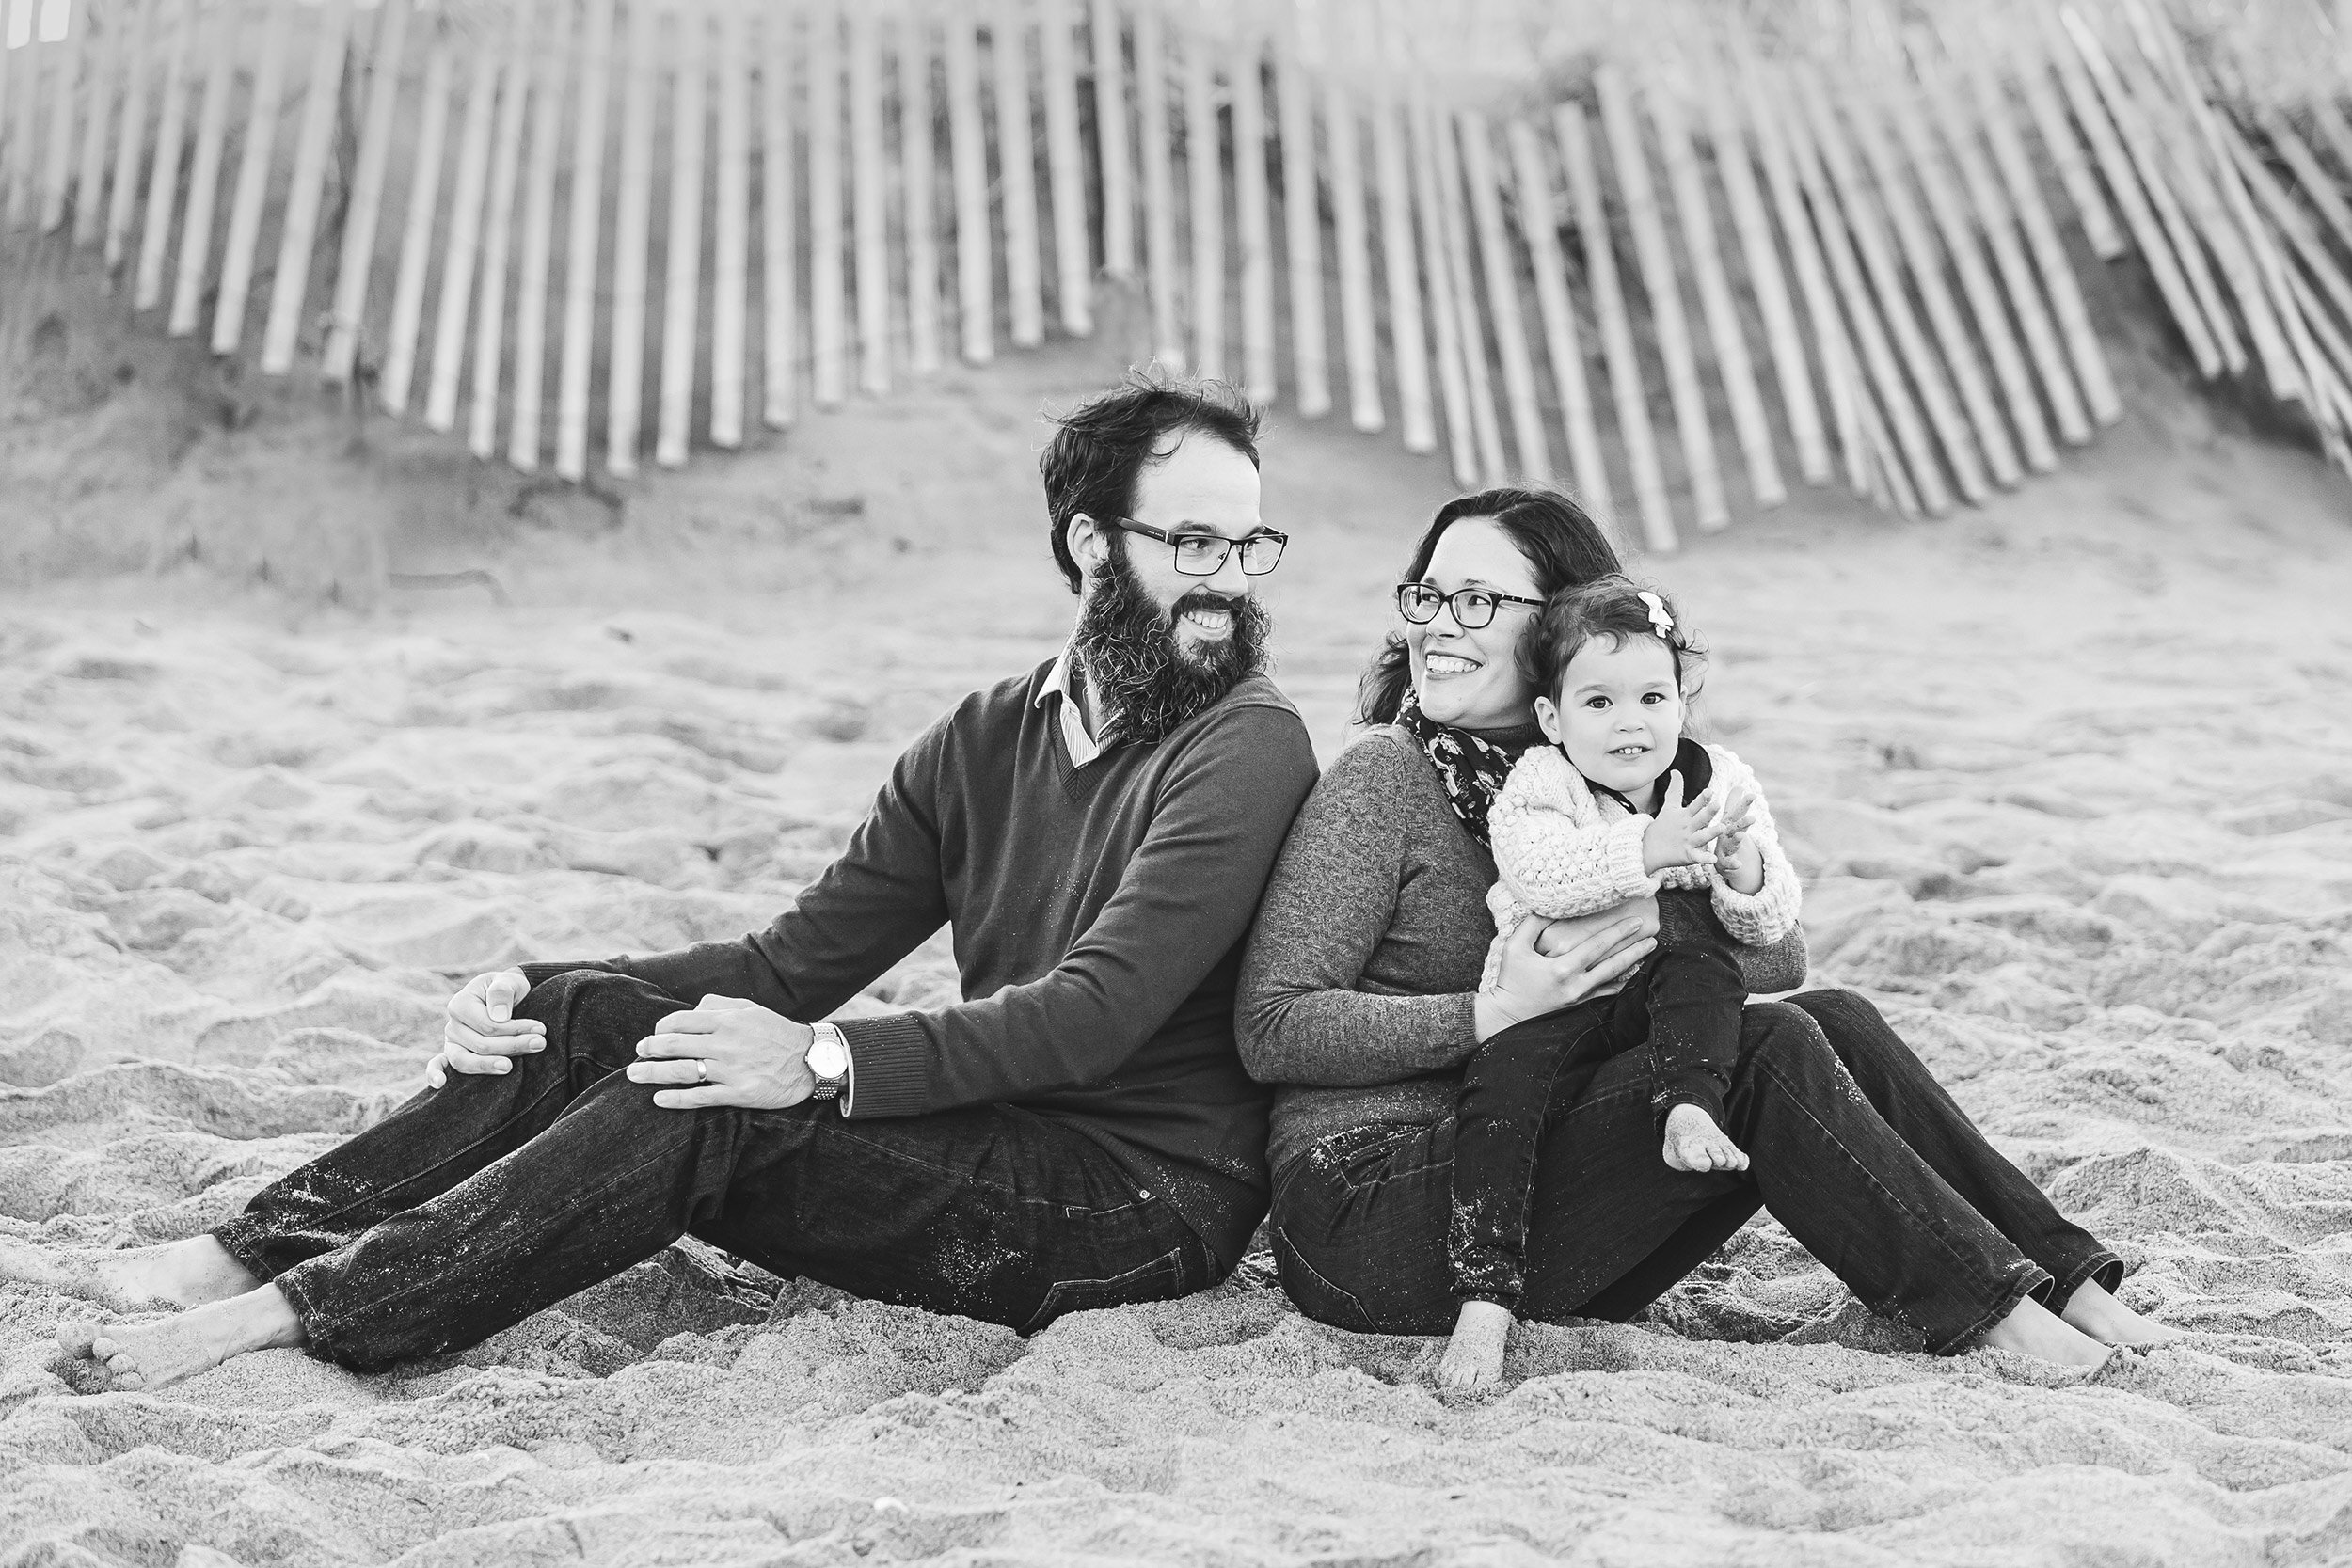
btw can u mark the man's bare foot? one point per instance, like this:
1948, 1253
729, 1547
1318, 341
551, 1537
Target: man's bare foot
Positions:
2033, 1329
1474, 1357
131, 1357
2109, 1322
185, 1274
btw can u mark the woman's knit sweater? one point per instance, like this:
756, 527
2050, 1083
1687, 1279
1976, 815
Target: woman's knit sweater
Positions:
1560, 851
1358, 989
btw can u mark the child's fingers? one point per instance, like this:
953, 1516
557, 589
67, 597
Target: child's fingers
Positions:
1673, 796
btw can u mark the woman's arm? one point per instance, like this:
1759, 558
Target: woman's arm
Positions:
1299, 1017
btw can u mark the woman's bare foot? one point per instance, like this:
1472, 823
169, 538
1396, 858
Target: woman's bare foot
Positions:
150, 1355
2109, 1322
1474, 1357
185, 1274
2033, 1329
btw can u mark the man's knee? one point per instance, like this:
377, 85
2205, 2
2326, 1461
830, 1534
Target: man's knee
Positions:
591, 996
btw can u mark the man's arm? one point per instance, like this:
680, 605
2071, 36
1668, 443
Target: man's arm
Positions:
872, 907
1185, 900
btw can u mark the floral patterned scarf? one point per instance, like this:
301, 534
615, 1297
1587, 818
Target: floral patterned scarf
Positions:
1471, 764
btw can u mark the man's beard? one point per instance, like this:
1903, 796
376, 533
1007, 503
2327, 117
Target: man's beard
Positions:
1149, 682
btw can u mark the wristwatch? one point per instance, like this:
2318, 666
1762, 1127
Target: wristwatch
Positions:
828, 1061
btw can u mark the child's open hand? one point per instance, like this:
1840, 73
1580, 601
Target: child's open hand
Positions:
1695, 1143
1738, 859
1682, 831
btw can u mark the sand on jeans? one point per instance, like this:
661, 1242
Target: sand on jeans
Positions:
2069, 779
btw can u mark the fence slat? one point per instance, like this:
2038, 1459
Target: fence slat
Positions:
916, 157
1065, 171
292, 286
497, 230
2065, 152
779, 254
1539, 221
1302, 220
1204, 212
1160, 269
1616, 328
105, 54
632, 215
827, 308
681, 290
163, 176
1662, 281
731, 281
869, 238
552, 66
586, 216
1409, 336
416, 236
355, 254
1352, 238
1687, 185
1016, 173
465, 238
1254, 225
975, 285
244, 212
1445, 315
65, 96
1115, 162
1500, 266
24, 77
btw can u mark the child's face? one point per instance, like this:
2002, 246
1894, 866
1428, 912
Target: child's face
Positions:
1618, 713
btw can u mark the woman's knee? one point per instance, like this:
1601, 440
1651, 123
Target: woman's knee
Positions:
1784, 1034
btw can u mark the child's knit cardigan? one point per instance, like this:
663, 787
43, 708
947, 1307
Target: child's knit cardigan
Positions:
1561, 853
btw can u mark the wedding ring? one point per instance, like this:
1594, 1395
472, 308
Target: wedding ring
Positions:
702, 1069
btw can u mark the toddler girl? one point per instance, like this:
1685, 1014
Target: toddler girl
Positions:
1621, 805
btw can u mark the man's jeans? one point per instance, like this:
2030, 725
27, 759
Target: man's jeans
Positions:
1681, 1009
478, 1203
1851, 1143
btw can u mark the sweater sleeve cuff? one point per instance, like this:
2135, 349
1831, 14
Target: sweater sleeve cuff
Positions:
889, 1061
1625, 859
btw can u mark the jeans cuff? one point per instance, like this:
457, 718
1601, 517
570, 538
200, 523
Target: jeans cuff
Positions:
318, 1336
2028, 1279
2090, 1268
241, 1239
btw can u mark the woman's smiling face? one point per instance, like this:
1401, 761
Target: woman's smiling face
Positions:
1467, 678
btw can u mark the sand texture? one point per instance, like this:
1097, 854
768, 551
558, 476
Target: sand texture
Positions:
2071, 781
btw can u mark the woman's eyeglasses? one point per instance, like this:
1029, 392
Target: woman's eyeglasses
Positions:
1202, 555
1473, 607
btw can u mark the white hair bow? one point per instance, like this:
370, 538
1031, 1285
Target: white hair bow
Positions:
1660, 621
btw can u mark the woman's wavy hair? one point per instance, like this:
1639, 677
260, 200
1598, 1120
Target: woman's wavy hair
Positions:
1560, 540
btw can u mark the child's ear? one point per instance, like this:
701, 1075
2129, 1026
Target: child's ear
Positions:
1547, 719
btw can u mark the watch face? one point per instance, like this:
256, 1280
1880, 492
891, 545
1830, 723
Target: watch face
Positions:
828, 1058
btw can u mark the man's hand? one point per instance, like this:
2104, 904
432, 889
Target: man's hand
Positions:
726, 1052
1695, 1143
1681, 831
482, 1030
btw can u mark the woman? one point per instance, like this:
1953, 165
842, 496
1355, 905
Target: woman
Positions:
1359, 1000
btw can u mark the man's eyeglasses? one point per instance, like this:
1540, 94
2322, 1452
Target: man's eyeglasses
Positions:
1202, 555
1473, 607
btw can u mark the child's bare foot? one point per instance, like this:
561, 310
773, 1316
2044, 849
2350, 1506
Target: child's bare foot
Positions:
1695, 1143
2033, 1329
185, 1274
2109, 1322
131, 1357
1474, 1357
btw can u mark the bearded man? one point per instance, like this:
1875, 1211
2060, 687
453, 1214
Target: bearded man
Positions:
1078, 1132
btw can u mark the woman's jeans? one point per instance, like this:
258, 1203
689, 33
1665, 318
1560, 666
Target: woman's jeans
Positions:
478, 1203
1681, 1009
1851, 1144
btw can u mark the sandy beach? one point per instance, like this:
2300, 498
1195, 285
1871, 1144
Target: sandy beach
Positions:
2069, 779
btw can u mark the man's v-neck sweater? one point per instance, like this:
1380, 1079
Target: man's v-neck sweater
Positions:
1098, 914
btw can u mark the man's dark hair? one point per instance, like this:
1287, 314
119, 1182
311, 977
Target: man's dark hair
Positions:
1099, 449
1608, 609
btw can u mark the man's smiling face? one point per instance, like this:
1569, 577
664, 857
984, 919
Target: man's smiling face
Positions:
1202, 486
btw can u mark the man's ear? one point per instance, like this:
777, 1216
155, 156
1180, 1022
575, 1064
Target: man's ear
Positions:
1547, 719
1087, 545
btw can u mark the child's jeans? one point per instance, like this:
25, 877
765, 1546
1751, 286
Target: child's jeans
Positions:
1683, 1004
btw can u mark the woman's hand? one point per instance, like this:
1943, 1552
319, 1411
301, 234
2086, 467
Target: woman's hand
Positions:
727, 1051
482, 1030
1532, 981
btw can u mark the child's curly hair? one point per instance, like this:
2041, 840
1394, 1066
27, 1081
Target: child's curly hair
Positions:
1610, 607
